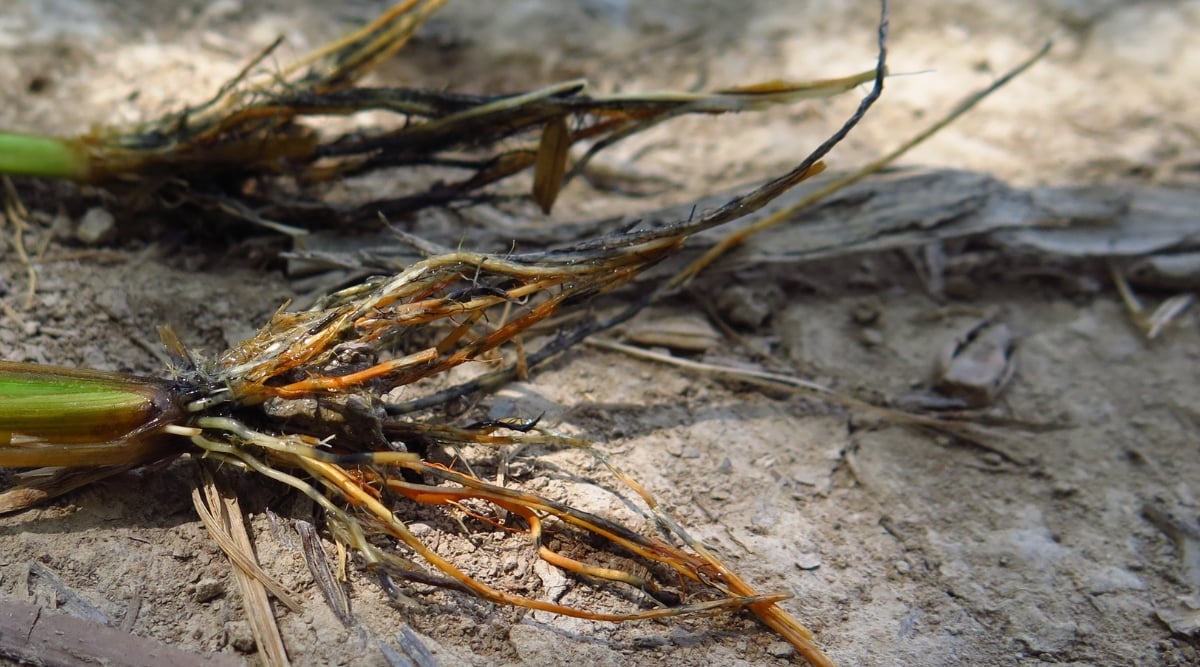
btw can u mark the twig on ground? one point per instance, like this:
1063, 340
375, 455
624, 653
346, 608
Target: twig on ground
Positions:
34, 635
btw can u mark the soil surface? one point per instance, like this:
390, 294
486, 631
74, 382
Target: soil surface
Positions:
899, 546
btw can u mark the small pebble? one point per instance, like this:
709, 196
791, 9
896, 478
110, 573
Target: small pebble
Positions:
762, 522
208, 589
1063, 490
61, 228
780, 650
992, 459
648, 642
865, 314
871, 337
97, 226
961, 288
744, 307
240, 636
808, 561
418, 529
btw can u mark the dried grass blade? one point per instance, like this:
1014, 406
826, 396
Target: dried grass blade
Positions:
790, 212
1152, 324
551, 163
357, 53
221, 513
977, 433
318, 566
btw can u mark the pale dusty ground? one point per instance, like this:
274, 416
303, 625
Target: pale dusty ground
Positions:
901, 548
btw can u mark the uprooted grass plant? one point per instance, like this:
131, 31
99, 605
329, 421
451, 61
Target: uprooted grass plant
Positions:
312, 399
255, 132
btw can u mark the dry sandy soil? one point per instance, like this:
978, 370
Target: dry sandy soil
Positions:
900, 547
